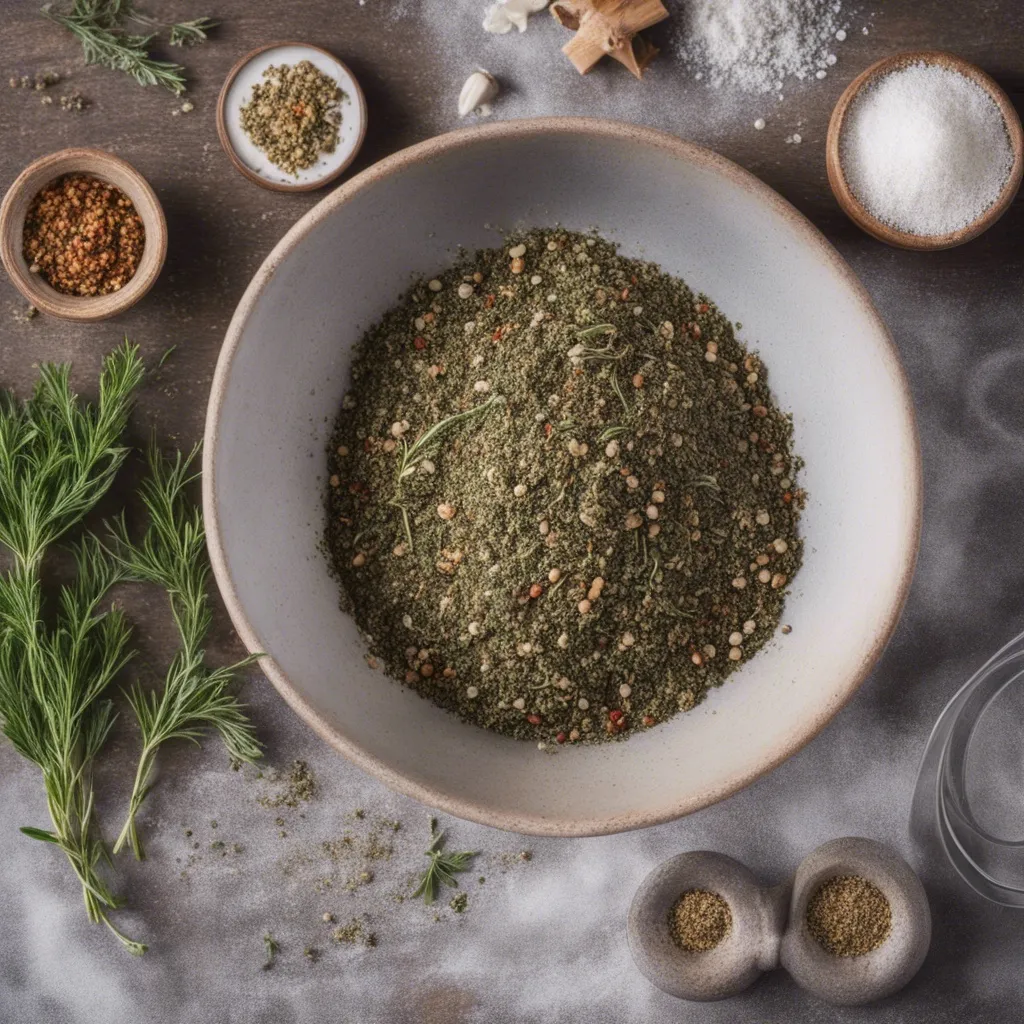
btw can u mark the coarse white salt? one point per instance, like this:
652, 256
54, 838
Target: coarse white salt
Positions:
925, 150
752, 45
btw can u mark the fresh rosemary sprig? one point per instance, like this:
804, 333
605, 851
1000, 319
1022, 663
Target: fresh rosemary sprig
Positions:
99, 25
194, 697
443, 867
191, 33
57, 460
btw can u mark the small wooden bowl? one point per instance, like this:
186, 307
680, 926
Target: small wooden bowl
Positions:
853, 207
249, 160
109, 168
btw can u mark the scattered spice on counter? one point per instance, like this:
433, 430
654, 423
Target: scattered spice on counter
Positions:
562, 499
83, 236
849, 916
296, 787
272, 948
294, 115
74, 102
459, 903
699, 921
37, 82
925, 149
354, 934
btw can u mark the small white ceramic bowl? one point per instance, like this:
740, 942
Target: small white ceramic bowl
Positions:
252, 161
284, 368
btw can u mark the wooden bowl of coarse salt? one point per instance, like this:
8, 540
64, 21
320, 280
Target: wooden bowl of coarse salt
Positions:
924, 150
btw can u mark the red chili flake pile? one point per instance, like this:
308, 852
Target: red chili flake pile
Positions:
83, 236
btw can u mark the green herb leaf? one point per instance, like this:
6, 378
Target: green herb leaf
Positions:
442, 869
38, 833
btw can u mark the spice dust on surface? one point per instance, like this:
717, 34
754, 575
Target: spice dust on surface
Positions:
849, 916
699, 921
562, 500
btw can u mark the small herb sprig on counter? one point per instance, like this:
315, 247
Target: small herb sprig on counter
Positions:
443, 868
57, 460
194, 697
99, 25
191, 33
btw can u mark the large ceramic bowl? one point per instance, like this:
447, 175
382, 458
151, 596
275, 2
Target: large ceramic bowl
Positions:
284, 369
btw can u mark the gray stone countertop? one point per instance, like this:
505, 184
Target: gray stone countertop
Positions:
542, 939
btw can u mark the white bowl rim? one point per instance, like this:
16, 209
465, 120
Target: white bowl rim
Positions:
594, 128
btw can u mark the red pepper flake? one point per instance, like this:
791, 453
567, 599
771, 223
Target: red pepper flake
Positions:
695, 330
533, 719
625, 294
496, 336
648, 720
536, 590
615, 715
787, 497
488, 302
547, 429
419, 342
560, 738
367, 445
702, 308
633, 279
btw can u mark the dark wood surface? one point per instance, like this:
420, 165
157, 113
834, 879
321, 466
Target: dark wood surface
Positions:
956, 317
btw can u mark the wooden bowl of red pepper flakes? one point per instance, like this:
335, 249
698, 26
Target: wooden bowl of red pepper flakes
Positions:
82, 235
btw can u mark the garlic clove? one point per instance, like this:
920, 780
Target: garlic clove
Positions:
503, 15
479, 90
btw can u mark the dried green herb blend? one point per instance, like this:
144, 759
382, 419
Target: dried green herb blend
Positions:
849, 916
699, 920
561, 497
294, 115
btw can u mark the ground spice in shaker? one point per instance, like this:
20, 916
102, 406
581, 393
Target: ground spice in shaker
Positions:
849, 916
293, 116
83, 236
699, 921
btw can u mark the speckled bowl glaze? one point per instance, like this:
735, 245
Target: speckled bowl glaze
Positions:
769, 926
284, 368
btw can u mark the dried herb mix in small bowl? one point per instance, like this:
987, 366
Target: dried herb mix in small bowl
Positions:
293, 116
83, 236
562, 500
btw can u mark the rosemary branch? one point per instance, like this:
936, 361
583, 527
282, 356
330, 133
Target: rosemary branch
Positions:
57, 460
194, 698
99, 26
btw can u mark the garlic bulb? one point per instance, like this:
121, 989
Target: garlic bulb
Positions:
502, 16
479, 91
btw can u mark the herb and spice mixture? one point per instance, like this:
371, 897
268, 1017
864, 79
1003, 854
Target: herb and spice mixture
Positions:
83, 236
294, 115
849, 916
562, 500
699, 921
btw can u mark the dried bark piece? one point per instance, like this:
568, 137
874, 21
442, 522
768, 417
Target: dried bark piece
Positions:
609, 28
